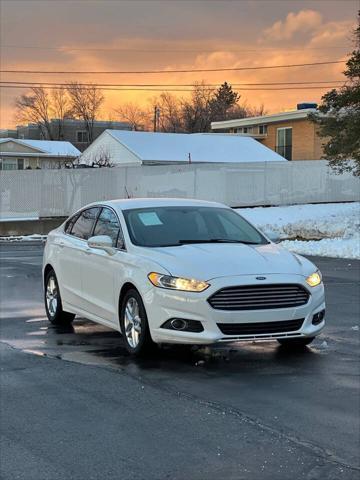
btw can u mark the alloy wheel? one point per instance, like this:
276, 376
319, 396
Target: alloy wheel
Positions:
52, 296
132, 322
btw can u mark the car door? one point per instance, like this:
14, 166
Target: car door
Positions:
73, 246
101, 270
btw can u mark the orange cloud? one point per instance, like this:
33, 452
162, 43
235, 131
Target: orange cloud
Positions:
219, 54
303, 21
332, 33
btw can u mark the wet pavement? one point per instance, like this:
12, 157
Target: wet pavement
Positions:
249, 410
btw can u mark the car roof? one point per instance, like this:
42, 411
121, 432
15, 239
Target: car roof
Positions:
127, 204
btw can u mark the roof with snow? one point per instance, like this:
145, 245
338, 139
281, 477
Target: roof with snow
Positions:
264, 119
202, 147
45, 147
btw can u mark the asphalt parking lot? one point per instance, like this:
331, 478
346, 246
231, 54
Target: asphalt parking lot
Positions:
75, 406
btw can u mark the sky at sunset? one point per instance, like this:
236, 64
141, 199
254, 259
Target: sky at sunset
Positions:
143, 35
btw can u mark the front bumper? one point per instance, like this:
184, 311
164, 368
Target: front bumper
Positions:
163, 304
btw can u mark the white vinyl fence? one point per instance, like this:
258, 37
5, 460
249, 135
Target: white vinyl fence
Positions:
52, 193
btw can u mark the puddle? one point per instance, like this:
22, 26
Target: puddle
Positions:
36, 320
92, 344
35, 352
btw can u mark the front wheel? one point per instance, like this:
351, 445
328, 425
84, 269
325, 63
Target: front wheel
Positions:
134, 324
53, 305
295, 342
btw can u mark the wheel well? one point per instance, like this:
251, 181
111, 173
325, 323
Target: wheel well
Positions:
47, 270
125, 288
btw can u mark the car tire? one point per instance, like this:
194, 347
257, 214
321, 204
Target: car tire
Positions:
295, 342
134, 324
52, 300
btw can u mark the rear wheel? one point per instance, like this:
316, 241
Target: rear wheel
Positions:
295, 342
134, 324
53, 305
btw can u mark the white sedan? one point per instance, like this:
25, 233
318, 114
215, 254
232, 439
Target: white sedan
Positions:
179, 271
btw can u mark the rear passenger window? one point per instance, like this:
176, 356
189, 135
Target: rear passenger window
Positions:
108, 224
82, 228
70, 223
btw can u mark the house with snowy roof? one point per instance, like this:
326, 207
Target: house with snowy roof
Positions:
16, 154
121, 147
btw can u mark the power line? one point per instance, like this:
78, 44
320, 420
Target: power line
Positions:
45, 84
171, 50
184, 90
267, 67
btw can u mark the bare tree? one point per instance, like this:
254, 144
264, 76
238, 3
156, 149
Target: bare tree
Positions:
256, 111
86, 102
134, 114
237, 111
39, 107
101, 158
170, 113
61, 110
196, 112
35, 107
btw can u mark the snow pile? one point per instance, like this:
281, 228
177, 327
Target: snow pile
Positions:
330, 230
328, 247
311, 221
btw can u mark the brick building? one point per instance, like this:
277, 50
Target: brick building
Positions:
291, 134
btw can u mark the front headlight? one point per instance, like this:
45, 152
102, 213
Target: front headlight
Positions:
177, 283
314, 279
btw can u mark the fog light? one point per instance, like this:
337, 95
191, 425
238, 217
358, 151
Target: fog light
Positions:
178, 324
183, 325
318, 317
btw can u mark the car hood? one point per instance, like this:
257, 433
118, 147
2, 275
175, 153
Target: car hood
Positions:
208, 261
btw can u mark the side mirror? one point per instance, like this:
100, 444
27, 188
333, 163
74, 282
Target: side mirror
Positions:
102, 242
274, 237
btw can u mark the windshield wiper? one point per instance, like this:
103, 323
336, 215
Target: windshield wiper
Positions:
216, 240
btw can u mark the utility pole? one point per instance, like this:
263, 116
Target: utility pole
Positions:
156, 118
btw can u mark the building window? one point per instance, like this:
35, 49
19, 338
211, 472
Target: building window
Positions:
82, 136
9, 164
284, 142
263, 129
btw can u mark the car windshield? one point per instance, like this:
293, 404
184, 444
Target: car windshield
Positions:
176, 226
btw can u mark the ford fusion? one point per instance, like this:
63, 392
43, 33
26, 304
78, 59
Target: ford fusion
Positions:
179, 271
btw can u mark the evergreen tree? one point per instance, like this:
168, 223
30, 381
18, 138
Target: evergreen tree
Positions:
223, 101
339, 117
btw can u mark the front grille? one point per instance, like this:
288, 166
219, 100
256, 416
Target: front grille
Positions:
259, 297
260, 328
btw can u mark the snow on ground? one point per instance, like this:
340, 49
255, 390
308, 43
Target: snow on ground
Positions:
312, 221
328, 247
330, 230
21, 238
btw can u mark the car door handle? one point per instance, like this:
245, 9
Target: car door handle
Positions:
61, 244
88, 250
